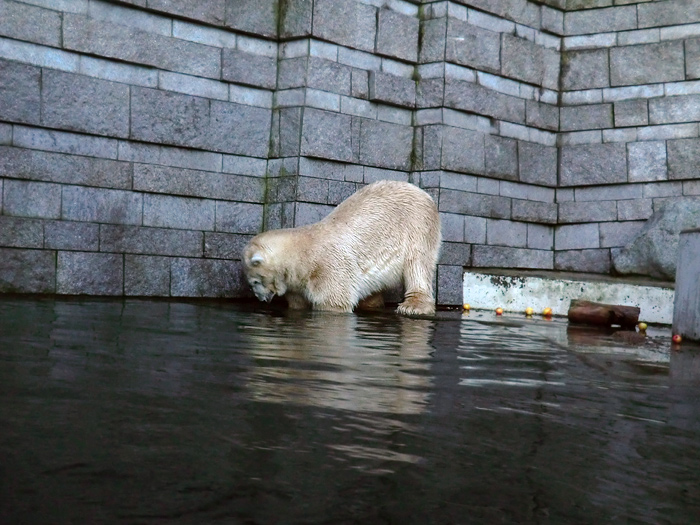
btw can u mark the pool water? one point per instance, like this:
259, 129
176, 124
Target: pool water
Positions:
137, 411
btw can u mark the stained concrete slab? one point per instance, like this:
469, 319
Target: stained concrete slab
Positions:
686, 312
515, 290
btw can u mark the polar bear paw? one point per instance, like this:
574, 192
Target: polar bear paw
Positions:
417, 305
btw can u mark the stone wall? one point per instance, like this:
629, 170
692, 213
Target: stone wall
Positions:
143, 142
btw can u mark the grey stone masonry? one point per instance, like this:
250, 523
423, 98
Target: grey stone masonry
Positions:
143, 143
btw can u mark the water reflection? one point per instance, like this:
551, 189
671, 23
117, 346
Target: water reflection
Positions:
146, 411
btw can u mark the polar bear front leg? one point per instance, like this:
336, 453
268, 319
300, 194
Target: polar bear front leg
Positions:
296, 301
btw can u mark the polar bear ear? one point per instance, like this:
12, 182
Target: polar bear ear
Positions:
256, 259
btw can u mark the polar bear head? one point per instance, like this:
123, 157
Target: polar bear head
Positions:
261, 272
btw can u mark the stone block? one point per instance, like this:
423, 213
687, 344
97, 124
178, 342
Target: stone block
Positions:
533, 211
529, 62
225, 245
429, 92
101, 205
32, 199
345, 22
476, 204
67, 169
150, 241
20, 99
576, 237
455, 254
463, 150
585, 69
327, 135
328, 76
31, 24
184, 120
359, 83
587, 211
540, 237
636, 209
647, 64
27, 271
312, 190
590, 261
543, 116
239, 217
295, 18
247, 68
397, 35
472, 46
506, 257
130, 44
686, 307
474, 230
537, 163
683, 158
167, 211
631, 113
79, 103
452, 227
592, 116
385, 145
16, 232
683, 108
506, 233
146, 276
80, 273
478, 99
339, 191
253, 16
196, 183
692, 58
618, 234
209, 11
207, 278
673, 12
391, 89
77, 236
432, 40
647, 161
593, 164
308, 213
618, 18
449, 284
500, 157
64, 142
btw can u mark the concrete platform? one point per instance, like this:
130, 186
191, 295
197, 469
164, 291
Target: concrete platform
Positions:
515, 290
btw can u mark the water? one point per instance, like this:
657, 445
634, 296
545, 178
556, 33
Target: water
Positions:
171, 412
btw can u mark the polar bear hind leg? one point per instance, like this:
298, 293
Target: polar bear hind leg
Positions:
418, 281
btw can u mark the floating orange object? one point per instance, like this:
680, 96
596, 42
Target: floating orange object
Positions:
499, 311
677, 339
547, 311
529, 310
466, 307
642, 327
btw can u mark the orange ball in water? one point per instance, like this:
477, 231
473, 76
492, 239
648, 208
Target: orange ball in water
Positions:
547, 311
529, 310
642, 327
466, 307
677, 339
499, 311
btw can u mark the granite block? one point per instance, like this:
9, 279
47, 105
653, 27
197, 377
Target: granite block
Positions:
146, 276
345, 22
20, 98
225, 245
647, 161
249, 69
449, 284
32, 199
537, 163
507, 257
463, 150
500, 157
455, 254
27, 271
591, 116
683, 158
535, 212
30, 23
184, 213
647, 64
585, 69
631, 113
590, 261
472, 46
81, 273
391, 89
101, 205
385, 145
493, 206
327, 135
80, 103
593, 164
397, 35
239, 217
19, 232
506, 233
587, 211
66, 235
576, 237
150, 241
478, 99
619, 234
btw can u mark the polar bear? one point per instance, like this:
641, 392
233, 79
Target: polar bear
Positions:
386, 234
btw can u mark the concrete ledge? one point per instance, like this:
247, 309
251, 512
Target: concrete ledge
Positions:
516, 290
686, 311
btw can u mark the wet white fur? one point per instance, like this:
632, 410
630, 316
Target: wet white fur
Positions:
386, 234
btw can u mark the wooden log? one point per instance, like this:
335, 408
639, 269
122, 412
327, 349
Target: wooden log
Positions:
588, 312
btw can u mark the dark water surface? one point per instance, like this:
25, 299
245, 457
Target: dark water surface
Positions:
164, 412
